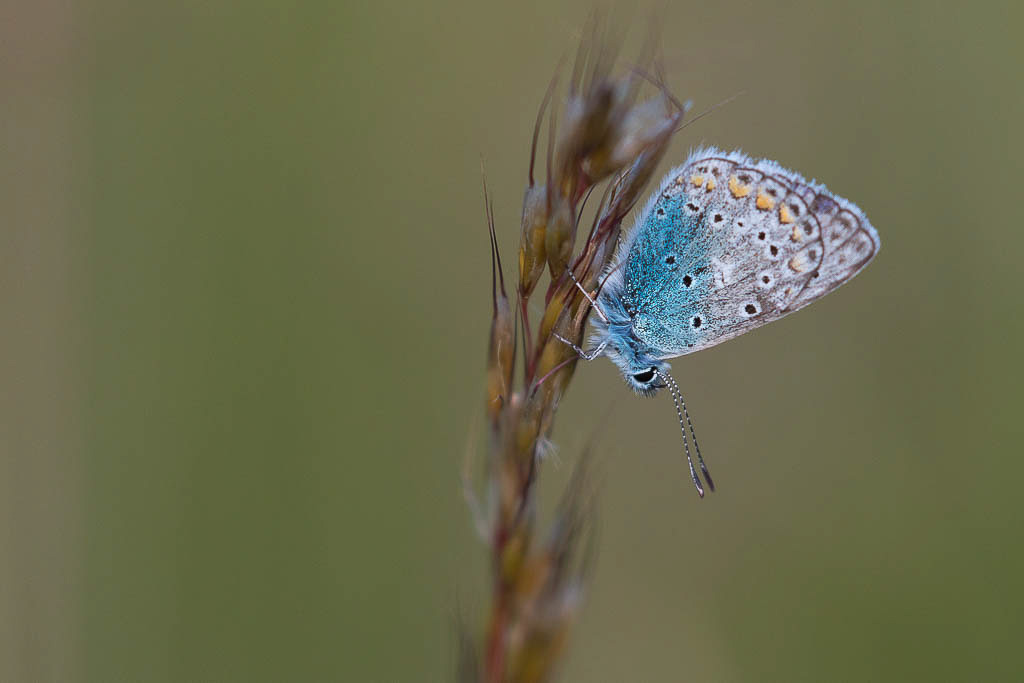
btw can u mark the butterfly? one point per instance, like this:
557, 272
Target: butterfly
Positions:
727, 244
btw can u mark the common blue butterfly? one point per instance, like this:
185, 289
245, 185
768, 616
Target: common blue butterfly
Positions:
725, 245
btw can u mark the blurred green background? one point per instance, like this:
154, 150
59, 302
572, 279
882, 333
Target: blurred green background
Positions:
244, 307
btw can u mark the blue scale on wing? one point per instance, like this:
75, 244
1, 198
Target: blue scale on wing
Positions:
667, 274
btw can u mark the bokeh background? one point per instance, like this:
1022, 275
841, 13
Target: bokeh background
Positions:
244, 308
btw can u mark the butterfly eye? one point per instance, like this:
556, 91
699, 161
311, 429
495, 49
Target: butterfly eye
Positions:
645, 376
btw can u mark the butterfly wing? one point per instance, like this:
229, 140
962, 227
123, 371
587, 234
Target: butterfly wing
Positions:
729, 244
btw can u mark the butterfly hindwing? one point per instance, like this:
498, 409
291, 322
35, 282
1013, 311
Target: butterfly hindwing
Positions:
729, 244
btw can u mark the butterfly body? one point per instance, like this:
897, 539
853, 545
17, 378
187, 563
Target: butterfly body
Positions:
725, 245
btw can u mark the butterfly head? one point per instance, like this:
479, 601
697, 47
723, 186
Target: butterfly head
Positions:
644, 373
647, 381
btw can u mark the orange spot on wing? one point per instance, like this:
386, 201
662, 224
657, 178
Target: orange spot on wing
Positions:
764, 201
738, 190
785, 215
711, 184
798, 236
697, 180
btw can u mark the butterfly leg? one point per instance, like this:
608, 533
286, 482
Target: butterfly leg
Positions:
585, 355
593, 302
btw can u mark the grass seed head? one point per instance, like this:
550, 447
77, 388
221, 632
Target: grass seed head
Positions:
608, 135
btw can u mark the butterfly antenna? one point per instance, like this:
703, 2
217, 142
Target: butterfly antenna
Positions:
686, 444
677, 399
693, 435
